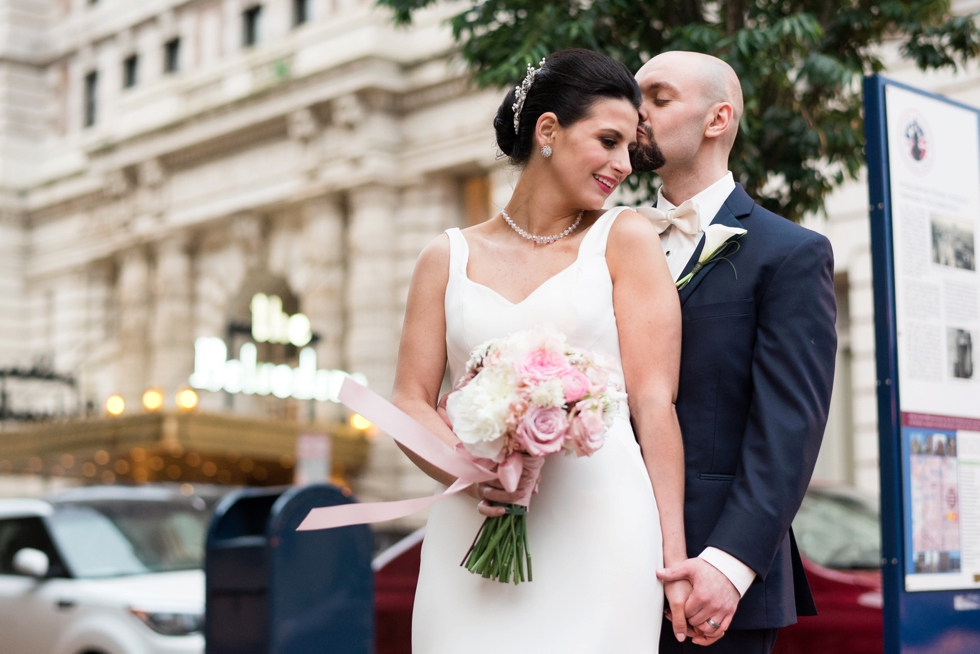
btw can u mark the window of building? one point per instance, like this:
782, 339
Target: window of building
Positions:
171, 56
301, 12
91, 92
250, 23
130, 69
476, 200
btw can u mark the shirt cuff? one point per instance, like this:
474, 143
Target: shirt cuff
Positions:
737, 572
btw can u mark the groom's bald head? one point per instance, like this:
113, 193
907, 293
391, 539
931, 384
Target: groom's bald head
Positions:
712, 79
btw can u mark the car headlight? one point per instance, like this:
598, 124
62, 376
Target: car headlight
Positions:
170, 623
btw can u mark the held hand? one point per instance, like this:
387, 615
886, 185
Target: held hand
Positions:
496, 490
441, 409
493, 491
677, 593
713, 597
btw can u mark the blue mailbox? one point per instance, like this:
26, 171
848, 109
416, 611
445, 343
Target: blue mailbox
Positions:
273, 590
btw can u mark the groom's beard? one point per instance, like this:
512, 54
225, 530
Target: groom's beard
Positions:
647, 157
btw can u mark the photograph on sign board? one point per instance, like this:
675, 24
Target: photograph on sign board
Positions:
952, 242
935, 502
942, 511
959, 348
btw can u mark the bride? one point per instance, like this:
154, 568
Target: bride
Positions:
599, 527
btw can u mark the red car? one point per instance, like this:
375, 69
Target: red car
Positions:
838, 533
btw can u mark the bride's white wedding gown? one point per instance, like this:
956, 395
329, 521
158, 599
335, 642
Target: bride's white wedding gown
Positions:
593, 529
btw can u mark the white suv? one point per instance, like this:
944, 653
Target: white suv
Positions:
110, 570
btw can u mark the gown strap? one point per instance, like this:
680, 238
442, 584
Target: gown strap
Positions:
600, 230
459, 252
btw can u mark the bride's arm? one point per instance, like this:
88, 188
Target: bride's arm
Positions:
422, 351
648, 314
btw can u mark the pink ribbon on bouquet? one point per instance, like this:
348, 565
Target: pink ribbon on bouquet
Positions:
410, 433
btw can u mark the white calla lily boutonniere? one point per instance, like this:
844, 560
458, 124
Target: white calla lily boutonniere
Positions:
716, 239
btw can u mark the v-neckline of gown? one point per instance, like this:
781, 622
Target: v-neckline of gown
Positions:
578, 257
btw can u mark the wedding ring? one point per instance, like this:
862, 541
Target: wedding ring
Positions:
714, 625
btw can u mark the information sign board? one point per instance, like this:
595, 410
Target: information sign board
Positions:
924, 186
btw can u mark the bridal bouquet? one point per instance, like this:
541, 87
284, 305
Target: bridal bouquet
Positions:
523, 397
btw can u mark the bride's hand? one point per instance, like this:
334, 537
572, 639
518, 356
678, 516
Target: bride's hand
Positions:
441, 409
494, 491
677, 593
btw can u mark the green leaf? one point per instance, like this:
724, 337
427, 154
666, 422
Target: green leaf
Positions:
799, 61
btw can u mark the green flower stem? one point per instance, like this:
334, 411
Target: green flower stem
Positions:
498, 533
500, 550
528, 551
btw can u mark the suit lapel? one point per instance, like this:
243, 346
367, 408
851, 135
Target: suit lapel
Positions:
738, 204
693, 260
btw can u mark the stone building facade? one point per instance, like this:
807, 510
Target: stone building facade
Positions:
161, 162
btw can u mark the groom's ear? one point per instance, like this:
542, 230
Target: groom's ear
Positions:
720, 118
547, 129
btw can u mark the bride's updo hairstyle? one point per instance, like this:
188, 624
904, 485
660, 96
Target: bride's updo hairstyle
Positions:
568, 84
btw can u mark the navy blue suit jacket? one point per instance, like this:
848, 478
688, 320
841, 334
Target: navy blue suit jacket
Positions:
757, 368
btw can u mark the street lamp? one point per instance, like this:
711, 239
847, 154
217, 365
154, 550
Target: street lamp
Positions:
152, 400
186, 399
115, 405
359, 422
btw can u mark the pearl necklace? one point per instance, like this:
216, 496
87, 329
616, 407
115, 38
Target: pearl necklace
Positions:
543, 239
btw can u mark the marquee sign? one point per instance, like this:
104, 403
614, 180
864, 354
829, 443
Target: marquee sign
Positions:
270, 324
214, 371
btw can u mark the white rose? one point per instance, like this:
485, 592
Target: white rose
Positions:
500, 381
479, 411
549, 394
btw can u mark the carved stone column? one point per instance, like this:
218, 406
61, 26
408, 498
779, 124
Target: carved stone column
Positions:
322, 292
132, 287
13, 249
371, 337
172, 329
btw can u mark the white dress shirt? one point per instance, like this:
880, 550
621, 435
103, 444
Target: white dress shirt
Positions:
679, 248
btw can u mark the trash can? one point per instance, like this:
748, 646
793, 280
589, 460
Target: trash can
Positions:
273, 590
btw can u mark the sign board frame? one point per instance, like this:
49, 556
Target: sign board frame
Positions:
941, 620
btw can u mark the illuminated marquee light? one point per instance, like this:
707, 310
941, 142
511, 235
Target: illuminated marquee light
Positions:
214, 371
270, 324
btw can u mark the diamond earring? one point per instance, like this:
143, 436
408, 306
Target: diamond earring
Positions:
546, 151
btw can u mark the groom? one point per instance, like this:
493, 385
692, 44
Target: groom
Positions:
757, 364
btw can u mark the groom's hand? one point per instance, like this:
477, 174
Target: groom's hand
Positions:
713, 596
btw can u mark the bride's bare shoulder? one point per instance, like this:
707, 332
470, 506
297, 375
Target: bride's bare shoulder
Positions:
633, 230
433, 262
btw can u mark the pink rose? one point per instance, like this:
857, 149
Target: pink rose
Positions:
542, 431
587, 431
576, 385
542, 365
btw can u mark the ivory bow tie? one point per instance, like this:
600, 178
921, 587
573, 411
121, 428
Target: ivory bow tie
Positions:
685, 217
